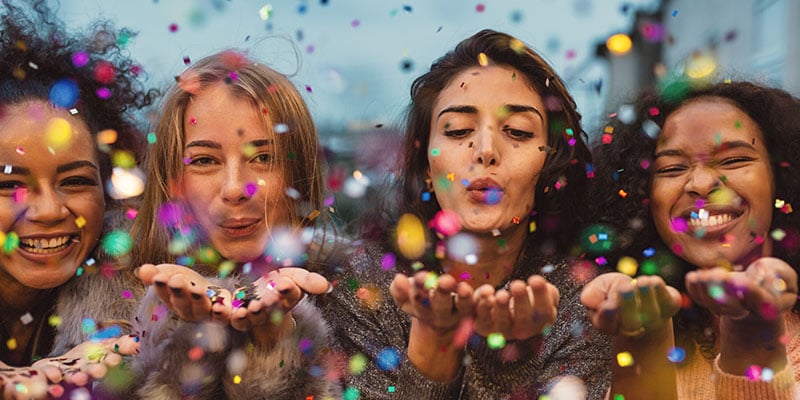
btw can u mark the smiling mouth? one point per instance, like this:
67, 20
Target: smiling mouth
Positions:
47, 245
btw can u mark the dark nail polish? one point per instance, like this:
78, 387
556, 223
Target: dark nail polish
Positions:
160, 284
177, 292
196, 296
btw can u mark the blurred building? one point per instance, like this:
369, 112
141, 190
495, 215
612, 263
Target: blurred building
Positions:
743, 39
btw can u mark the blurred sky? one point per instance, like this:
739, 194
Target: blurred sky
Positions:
356, 57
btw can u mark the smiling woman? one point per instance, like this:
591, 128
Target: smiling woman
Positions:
53, 202
234, 191
709, 202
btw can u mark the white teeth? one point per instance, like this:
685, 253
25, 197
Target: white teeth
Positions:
708, 221
42, 245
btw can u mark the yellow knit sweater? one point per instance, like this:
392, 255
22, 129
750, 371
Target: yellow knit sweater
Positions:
703, 380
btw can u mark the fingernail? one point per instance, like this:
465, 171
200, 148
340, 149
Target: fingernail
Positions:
196, 296
160, 284
627, 295
644, 289
330, 289
176, 291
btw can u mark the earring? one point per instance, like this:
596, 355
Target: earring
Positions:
429, 185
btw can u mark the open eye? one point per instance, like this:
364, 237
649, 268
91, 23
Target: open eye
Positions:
264, 158
202, 160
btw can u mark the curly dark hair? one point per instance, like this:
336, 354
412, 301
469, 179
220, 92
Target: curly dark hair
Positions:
557, 207
36, 52
624, 164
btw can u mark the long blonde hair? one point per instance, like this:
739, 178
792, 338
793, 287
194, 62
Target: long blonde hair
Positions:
280, 102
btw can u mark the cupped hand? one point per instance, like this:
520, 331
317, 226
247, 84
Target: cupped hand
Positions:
264, 307
521, 312
83, 364
618, 304
764, 290
187, 293
439, 303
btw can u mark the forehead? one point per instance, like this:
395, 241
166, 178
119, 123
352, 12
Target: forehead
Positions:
217, 113
705, 123
494, 84
38, 129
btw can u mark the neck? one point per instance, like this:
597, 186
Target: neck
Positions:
496, 257
17, 299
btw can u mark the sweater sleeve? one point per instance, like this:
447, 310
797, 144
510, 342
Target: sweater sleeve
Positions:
296, 368
371, 334
781, 386
571, 347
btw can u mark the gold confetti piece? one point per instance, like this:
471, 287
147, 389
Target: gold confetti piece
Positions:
80, 222
483, 60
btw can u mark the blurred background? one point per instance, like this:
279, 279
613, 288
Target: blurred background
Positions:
354, 60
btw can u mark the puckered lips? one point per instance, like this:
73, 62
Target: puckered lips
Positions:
485, 191
237, 228
43, 247
711, 220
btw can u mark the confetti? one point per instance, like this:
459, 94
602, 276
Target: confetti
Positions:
496, 341
64, 93
58, 133
676, 355
624, 359
117, 243
265, 12
619, 44
357, 364
627, 266
388, 359
410, 236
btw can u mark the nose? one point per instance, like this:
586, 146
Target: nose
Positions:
485, 149
46, 206
702, 181
234, 188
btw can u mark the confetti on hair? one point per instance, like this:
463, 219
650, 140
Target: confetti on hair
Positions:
117, 243
676, 355
64, 93
483, 60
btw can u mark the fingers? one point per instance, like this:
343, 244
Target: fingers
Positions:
146, 272
484, 303
400, 289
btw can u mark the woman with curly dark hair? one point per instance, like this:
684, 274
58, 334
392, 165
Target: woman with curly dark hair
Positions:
493, 162
64, 114
700, 186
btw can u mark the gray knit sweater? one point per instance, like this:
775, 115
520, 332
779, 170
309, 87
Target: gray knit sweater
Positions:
379, 330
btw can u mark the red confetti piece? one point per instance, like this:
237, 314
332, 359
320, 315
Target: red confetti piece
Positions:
480, 7
173, 27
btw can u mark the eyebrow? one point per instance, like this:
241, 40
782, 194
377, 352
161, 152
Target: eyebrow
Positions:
215, 145
734, 144
512, 108
17, 170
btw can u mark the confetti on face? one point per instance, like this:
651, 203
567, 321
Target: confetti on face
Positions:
446, 223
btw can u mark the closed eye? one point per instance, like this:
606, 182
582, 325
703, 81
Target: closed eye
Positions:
517, 133
457, 133
79, 181
671, 170
735, 161
11, 185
